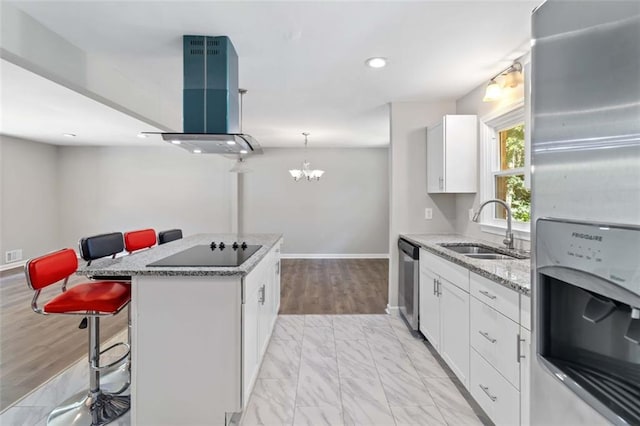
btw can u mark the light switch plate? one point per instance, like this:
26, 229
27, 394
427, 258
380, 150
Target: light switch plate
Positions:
428, 214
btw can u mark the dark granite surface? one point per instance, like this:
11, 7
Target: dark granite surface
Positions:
136, 263
511, 273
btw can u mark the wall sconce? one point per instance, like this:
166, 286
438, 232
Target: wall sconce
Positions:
512, 77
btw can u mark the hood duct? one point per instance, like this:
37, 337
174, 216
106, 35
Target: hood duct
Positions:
211, 99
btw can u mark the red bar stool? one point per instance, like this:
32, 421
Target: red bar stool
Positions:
92, 300
138, 240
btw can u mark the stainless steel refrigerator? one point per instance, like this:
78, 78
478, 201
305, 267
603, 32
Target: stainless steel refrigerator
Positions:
585, 145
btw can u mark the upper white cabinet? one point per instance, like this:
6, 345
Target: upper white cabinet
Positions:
452, 155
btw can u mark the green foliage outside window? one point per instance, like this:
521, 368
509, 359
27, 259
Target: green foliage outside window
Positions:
518, 197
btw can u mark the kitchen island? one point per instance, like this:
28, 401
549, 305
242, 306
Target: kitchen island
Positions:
198, 333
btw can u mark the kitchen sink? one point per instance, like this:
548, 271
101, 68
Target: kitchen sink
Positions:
490, 256
479, 251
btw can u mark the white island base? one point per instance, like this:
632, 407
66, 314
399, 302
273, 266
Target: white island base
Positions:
198, 341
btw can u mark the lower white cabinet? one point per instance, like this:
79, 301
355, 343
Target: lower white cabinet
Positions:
259, 312
497, 397
525, 379
444, 316
454, 340
429, 307
495, 338
479, 328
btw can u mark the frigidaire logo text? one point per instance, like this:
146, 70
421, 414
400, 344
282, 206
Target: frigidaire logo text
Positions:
587, 236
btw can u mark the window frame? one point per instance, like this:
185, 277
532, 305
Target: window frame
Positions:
490, 126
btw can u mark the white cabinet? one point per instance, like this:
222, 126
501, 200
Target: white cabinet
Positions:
525, 371
495, 338
259, 312
481, 330
452, 159
496, 396
454, 341
444, 311
250, 365
429, 307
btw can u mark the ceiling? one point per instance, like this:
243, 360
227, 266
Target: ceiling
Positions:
38, 109
303, 62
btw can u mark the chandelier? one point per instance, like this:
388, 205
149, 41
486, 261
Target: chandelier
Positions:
306, 171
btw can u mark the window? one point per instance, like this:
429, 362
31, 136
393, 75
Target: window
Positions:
503, 171
508, 179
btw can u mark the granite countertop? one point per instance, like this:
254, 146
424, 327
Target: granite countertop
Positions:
136, 263
511, 273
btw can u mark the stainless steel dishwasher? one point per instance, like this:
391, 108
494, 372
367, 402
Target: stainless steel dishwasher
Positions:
408, 284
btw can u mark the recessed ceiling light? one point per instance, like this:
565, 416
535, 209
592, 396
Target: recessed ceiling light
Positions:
377, 62
231, 142
142, 135
243, 151
69, 135
197, 151
176, 142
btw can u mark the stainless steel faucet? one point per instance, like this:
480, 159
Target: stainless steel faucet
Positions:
508, 241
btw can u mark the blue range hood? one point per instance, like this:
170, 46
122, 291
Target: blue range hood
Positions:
211, 99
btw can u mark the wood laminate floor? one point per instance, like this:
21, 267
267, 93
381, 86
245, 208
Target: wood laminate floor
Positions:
35, 348
334, 286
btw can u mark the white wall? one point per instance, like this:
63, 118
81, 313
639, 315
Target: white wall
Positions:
472, 103
105, 189
408, 180
345, 213
29, 189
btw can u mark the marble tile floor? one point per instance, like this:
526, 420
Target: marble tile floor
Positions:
354, 370
34, 408
320, 370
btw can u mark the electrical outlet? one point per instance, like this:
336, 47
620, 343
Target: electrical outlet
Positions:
428, 214
12, 256
471, 214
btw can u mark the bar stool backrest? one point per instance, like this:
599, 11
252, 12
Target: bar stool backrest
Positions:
138, 240
103, 245
51, 268
169, 235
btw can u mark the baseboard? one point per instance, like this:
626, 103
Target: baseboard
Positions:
334, 255
393, 310
12, 265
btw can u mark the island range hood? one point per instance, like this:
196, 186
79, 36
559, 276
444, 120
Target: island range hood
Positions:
211, 99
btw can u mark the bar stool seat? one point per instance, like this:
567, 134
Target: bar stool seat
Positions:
93, 300
103, 296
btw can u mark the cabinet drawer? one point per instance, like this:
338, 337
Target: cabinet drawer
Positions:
502, 299
495, 337
496, 396
451, 272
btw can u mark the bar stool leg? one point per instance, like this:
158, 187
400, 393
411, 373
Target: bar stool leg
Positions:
94, 407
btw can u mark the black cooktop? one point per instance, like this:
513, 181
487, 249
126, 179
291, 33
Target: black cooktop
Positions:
214, 254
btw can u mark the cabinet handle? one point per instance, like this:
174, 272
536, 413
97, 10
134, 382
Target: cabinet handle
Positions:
519, 350
485, 389
261, 296
278, 267
486, 336
438, 288
434, 287
440, 182
489, 295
